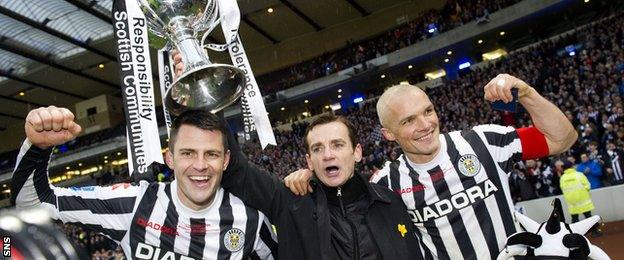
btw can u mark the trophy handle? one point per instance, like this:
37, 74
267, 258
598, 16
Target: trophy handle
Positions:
155, 24
213, 21
211, 27
208, 17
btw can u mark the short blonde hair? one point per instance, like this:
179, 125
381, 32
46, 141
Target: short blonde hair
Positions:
386, 99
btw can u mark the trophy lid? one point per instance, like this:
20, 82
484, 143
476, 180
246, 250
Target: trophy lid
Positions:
160, 13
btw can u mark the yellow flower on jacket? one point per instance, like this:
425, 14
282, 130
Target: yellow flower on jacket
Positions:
402, 229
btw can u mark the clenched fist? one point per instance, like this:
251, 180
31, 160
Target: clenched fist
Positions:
50, 126
500, 87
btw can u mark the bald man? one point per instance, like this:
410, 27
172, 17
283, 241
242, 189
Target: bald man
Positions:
455, 185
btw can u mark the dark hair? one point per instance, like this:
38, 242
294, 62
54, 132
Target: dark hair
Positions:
202, 119
326, 119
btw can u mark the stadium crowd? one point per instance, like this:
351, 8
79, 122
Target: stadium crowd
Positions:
453, 14
99, 247
588, 86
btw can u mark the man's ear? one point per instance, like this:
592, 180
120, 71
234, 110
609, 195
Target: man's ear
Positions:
357, 153
309, 161
226, 159
169, 159
387, 134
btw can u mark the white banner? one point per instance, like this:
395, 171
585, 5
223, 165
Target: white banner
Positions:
254, 113
130, 29
165, 71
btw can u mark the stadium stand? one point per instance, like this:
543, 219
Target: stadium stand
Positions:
452, 15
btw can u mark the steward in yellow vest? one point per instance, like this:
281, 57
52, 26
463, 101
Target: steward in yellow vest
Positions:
575, 188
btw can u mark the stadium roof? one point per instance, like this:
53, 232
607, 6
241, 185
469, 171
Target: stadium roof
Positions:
51, 51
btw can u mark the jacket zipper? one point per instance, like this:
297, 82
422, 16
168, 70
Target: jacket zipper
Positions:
356, 248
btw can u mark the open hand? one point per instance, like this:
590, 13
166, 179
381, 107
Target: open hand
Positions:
299, 181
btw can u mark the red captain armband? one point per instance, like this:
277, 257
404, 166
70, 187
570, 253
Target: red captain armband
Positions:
533, 143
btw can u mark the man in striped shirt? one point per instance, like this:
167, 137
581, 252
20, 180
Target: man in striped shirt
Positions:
455, 184
614, 163
189, 218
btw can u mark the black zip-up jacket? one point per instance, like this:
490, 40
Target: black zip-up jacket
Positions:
348, 205
304, 223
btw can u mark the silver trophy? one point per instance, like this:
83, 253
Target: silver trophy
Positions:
202, 85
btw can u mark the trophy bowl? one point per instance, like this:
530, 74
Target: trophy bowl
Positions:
213, 88
202, 85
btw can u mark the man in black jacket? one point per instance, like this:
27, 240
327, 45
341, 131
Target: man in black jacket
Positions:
345, 217
614, 163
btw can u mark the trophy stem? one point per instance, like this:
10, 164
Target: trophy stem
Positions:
193, 55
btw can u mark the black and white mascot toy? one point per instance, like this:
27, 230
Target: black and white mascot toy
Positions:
553, 239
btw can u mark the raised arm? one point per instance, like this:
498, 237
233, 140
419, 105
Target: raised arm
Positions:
258, 189
547, 118
103, 209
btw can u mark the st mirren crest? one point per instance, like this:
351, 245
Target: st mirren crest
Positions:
469, 165
234, 239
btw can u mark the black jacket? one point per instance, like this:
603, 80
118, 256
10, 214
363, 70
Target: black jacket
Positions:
304, 223
348, 206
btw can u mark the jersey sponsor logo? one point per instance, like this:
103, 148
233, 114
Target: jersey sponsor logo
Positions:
455, 202
198, 228
469, 165
145, 251
234, 239
156, 226
415, 188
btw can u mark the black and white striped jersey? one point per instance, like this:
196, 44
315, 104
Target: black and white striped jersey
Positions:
147, 220
460, 201
615, 161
